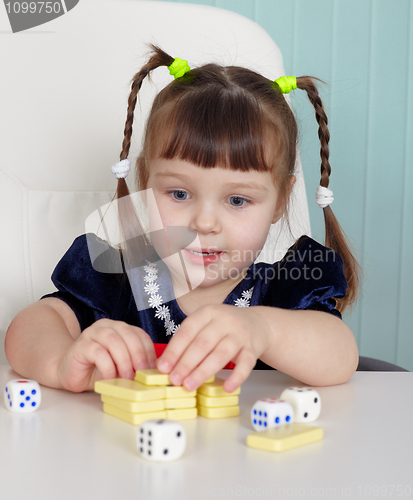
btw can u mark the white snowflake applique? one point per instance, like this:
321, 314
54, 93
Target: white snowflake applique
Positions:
246, 298
170, 327
162, 312
156, 300
151, 287
150, 277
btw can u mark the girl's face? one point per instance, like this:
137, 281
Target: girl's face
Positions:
231, 211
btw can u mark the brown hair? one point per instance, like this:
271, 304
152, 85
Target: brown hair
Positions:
235, 118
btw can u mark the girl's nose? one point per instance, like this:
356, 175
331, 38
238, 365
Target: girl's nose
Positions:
206, 219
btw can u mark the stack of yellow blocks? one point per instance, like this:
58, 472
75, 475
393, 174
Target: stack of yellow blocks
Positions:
214, 402
149, 396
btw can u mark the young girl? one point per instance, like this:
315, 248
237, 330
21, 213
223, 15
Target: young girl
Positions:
218, 156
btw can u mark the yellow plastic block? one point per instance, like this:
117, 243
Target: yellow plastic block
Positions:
132, 418
175, 403
177, 391
128, 389
152, 376
134, 406
224, 412
216, 402
215, 389
210, 380
184, 414
285, 437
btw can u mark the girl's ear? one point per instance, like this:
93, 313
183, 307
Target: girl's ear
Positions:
282, 202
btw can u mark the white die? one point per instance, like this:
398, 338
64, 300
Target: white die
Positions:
22, 395
161, 440
271, 412
305, 401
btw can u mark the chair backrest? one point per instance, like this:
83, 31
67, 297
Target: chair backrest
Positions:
64, 92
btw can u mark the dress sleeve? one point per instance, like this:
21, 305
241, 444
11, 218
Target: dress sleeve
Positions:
310, 276
84, 285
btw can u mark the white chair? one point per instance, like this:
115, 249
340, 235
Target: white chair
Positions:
64, 94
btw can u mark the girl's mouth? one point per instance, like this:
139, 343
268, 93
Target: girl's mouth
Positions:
202, 257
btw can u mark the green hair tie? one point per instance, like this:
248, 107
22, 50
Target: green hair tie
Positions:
286, 83
179, 67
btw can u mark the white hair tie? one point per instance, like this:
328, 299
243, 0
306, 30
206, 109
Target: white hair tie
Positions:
121, 169
324, 196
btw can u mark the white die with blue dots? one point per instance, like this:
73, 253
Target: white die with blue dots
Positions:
271, 412
305, 401
22, 395
161, 440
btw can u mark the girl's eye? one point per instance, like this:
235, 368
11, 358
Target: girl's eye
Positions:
179, 195
238, 202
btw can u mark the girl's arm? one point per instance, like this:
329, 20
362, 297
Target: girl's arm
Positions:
38, 338
314, 347
44, 343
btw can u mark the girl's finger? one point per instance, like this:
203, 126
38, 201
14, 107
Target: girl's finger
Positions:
244, 364
114, 344
103, 361
203, 344
188, 330
149, 347
225, 350
139, 346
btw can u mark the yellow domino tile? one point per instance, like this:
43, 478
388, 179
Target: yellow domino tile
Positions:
175, 403
129, 390
133, 418
177, 391
215, 389
224, 412
152, 376
285, 437
183, 414
216, 402
134, 406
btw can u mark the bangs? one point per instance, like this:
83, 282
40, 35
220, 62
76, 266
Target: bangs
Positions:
214, 128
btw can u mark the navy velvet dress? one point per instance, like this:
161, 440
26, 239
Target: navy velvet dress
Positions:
310, 276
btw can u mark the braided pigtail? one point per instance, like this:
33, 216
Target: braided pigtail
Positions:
137, 248
334, 234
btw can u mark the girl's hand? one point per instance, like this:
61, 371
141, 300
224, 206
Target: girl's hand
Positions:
107, 349
210, 338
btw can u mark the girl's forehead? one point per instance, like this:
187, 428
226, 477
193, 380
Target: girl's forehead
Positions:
164, 169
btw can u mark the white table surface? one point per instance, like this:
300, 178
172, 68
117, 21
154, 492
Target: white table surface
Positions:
70, 449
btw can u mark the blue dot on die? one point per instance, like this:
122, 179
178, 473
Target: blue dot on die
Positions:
265, 414
34, 391
260, 413
7, 390
255, 412
255, 420
277, 420
27, 398
22, 393
265, 424
21, 405
34, 403
288, 418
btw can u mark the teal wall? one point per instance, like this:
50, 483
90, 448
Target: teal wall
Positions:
363, 50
